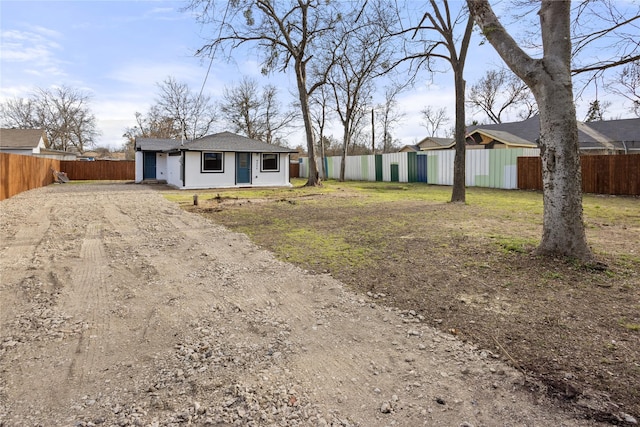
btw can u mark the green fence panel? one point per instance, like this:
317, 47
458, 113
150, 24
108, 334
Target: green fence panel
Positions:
379, 167
412, 167
395, 172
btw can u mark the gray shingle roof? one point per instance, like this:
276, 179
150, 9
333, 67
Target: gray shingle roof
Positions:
21, 138
155, 144
227, 141
506, 137
591, 135
627, 130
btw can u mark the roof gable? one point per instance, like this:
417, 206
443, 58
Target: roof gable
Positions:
435, 143
22, 138
505, 138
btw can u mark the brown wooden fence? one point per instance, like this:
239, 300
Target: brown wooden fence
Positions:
615, 174
20, 173
294, 170
99, 170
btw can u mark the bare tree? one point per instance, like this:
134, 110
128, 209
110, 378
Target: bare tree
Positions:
289, 35
177, 114
277, 122
240, 106
320, 110
389, 116
499, 91
434, 119
20, 113
627, 84
256, 115
63, 113
610, 27
596, 110
362, 52
443, 35
193, 115
549, 79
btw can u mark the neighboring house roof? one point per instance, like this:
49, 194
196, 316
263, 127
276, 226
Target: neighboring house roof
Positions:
506, 138
436, 143
227, 141
528, 130
430, 143
624, 133
409, 148
607, 135
26, 139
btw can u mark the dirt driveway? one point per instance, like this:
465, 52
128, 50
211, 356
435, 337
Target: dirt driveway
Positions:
118, 308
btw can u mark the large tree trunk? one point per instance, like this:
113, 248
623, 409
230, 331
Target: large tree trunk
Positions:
549, 79
563, 228
343, 160
314, 176
458, 194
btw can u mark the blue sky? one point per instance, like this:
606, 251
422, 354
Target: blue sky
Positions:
118, 51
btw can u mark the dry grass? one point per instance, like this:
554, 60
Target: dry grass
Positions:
468, 269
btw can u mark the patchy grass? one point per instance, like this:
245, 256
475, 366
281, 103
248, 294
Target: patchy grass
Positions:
469, 268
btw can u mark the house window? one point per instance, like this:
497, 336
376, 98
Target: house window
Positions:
270, 162
212, 162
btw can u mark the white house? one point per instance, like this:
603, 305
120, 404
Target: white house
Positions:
30, 142
22, 141
221, 160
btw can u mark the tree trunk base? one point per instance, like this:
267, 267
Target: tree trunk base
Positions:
584, 256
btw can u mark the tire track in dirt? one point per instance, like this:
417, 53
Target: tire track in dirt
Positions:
274, 290
19, 250
88, 295
125, 232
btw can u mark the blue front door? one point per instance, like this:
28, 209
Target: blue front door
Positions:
243, 168
149, 166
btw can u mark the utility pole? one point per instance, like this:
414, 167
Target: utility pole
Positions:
373, 134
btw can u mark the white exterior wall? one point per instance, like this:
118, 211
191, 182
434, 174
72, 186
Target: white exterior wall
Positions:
161, 166
174, 165
269, 179
139, 164
195, 179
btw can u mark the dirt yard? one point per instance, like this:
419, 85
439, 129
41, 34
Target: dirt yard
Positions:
119, 308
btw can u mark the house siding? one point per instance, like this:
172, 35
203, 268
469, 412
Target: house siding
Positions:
139, 166
196, 179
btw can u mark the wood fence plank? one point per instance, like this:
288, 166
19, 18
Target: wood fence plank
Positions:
614, 174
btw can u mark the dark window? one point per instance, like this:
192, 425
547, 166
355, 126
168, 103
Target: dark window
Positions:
270, 162
212, 162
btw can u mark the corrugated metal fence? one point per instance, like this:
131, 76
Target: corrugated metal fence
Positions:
484, 168
515, 168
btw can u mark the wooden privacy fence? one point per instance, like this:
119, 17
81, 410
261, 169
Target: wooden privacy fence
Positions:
107, 170
614, 174
20, 173
294, 170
